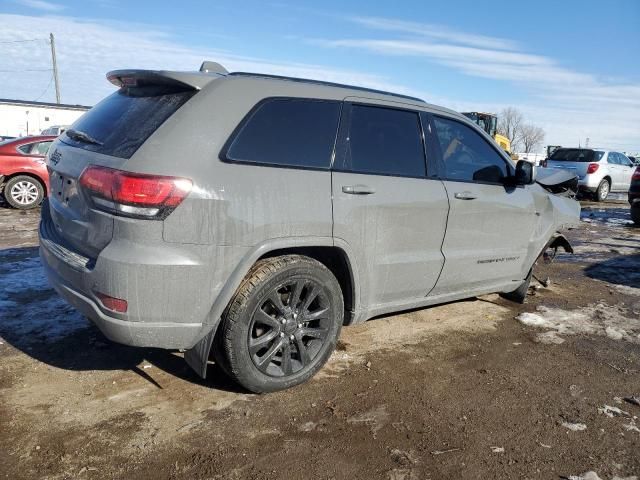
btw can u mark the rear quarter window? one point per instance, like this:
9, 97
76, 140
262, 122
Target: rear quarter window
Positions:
124, 120
287, 132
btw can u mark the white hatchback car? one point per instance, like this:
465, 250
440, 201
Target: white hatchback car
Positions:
599, 171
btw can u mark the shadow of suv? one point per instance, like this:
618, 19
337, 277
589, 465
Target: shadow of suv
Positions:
251, 216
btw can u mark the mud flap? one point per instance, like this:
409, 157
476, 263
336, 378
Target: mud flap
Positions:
197, 357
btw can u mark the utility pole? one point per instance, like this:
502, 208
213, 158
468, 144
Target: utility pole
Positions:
55, 67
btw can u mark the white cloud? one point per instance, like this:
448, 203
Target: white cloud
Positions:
436, 32
86, 50
570, 105
41, 5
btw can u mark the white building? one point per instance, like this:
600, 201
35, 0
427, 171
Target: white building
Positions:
534, 158
20, 117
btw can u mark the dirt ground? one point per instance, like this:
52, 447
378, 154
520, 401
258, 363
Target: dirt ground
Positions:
463, 390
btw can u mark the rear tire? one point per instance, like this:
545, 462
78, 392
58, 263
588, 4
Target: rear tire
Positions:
23, 192
602, 192
635, 214
282, 324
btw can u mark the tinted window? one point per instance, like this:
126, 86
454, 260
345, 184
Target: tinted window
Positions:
26, 148
575, 155
288, 132
384, 141
124, 120
467, 155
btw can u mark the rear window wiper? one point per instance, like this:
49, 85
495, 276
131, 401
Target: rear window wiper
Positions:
82, 137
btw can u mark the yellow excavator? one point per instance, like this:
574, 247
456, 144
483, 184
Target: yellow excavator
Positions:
489, 123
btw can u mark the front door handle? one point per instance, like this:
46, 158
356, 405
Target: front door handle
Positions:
357, 190
464, 196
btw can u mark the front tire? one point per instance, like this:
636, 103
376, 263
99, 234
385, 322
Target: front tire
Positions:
602, 192
635, 214
282, 324
23, 192
519, 295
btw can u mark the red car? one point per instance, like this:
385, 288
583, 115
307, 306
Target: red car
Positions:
23, 174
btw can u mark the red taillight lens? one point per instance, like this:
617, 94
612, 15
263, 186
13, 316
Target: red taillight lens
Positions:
636, 174
134, 194
112, 303
593, 168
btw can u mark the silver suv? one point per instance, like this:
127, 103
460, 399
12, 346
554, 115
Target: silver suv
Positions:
251, 216
599, 171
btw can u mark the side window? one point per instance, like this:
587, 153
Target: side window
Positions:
41, 148
612, 157
27, 148
624, 160
384, 141
466, 155
288, 132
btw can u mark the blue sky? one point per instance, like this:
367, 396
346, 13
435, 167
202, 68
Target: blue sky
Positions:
571, 67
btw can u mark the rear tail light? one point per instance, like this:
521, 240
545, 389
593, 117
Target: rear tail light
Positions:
593, 168
112, 303
134, 194
636, 174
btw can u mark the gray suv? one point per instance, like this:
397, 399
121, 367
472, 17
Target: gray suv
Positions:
251, 216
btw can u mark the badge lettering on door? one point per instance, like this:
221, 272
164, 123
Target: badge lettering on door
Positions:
498, 260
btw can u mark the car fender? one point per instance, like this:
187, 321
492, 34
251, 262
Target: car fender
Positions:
198, 355
26, 169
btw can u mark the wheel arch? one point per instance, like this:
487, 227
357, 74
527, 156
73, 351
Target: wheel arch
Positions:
323, 249
336, 260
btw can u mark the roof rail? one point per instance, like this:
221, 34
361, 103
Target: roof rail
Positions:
327, 84
213, 67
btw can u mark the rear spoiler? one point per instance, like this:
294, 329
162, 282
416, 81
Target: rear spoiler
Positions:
188, 80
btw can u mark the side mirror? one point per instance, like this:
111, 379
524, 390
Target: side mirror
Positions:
525, 173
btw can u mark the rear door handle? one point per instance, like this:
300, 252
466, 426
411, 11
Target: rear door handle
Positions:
464, 196
357, 189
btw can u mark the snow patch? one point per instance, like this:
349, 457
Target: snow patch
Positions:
30, 310
598, 319
611, 412
574, 427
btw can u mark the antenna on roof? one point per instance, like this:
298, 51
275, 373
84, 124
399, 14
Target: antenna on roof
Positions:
213, 67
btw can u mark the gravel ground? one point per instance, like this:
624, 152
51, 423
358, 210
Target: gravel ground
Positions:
475, 389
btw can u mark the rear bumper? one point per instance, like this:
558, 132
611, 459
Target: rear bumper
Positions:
589, 183
137, 334
169, 293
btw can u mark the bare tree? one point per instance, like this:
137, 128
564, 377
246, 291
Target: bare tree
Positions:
510, 122
531, 137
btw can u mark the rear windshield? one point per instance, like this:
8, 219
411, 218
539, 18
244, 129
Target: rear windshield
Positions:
575, 155
121, 123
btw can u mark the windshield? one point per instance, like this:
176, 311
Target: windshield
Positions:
123, 121
576, 155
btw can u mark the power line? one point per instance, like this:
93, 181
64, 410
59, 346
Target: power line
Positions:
46, 89
27, 70
26, 40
